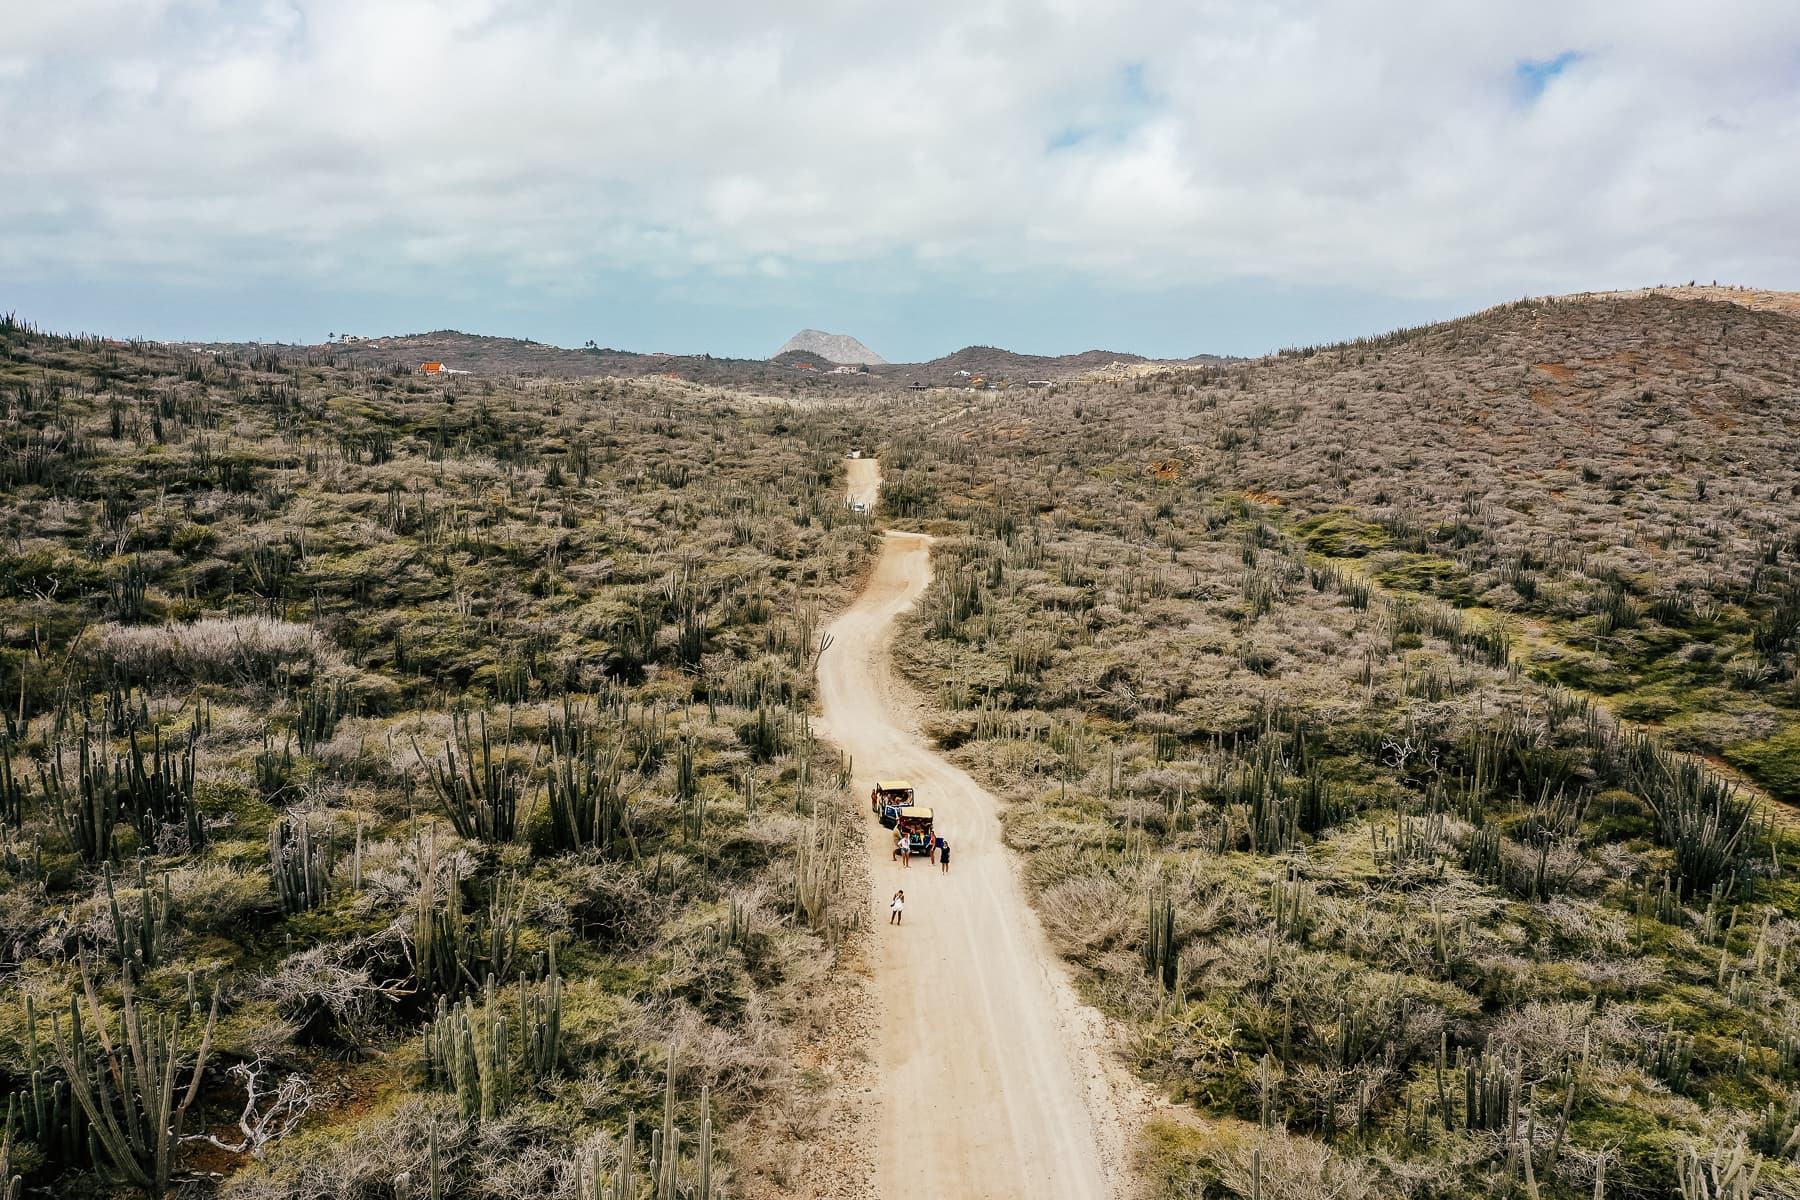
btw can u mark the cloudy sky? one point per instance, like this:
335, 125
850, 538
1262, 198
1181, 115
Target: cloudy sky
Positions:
1166, 176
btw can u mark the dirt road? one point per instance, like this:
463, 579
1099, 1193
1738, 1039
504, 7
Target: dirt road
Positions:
988, 1067
865, 481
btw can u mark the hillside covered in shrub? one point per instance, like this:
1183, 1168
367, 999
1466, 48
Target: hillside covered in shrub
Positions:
1367, 716
409, 785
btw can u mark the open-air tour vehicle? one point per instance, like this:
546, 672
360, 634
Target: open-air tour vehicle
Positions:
888, 798
914, 824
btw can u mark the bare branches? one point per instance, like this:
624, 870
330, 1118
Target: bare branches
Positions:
283, 1110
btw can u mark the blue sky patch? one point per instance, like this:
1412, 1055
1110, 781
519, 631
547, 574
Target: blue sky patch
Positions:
1131, 83
1534, 75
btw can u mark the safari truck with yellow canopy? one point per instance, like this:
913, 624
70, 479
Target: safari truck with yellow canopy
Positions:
888, 798
914, 824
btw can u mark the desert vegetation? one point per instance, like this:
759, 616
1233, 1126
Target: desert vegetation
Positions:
1399, 737
407, 788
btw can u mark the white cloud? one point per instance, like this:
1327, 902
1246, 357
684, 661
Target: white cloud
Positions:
1381, 145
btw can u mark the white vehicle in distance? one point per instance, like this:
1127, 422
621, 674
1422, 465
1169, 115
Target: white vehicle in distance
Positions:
857, 506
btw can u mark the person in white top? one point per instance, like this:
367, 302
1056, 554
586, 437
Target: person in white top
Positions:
897, 908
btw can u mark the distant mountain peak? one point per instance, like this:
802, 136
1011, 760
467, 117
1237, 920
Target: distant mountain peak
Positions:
834, 347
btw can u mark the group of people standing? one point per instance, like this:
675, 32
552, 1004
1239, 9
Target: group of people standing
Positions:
939, 853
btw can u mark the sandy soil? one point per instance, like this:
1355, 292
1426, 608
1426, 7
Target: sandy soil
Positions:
992, 1079
865, 481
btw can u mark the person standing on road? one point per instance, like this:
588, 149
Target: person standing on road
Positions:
897, 908
905, 851
943, 849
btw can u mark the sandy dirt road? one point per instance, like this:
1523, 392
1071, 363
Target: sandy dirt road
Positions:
990, 1073
865, 483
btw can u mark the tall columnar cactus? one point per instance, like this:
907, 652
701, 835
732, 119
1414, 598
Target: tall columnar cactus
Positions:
11, 1185
664, 1166
299, 865
468, 1050
1160, 957
452, 951
587, 803
43, 1112
128, 1089
86, 809
474, 783
434, 1171
540, 1020
140, 934
12, 793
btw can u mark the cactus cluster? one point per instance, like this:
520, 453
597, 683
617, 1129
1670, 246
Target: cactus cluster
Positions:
1668, 1057
1290, 908
43, 1112
1703, 819
453, 952
141, 933
663, 1177
1728, 1173
474, 783
317, 711
152, 787
584, 787
299, 865
817, 873
129, 1087
468, 1050
1162, 958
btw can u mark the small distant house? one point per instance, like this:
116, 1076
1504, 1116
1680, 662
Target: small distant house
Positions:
916, 386
431, 368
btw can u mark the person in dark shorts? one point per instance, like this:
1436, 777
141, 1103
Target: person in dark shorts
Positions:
943, 853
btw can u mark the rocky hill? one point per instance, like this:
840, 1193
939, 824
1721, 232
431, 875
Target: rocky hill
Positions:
834, 347
993, 362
